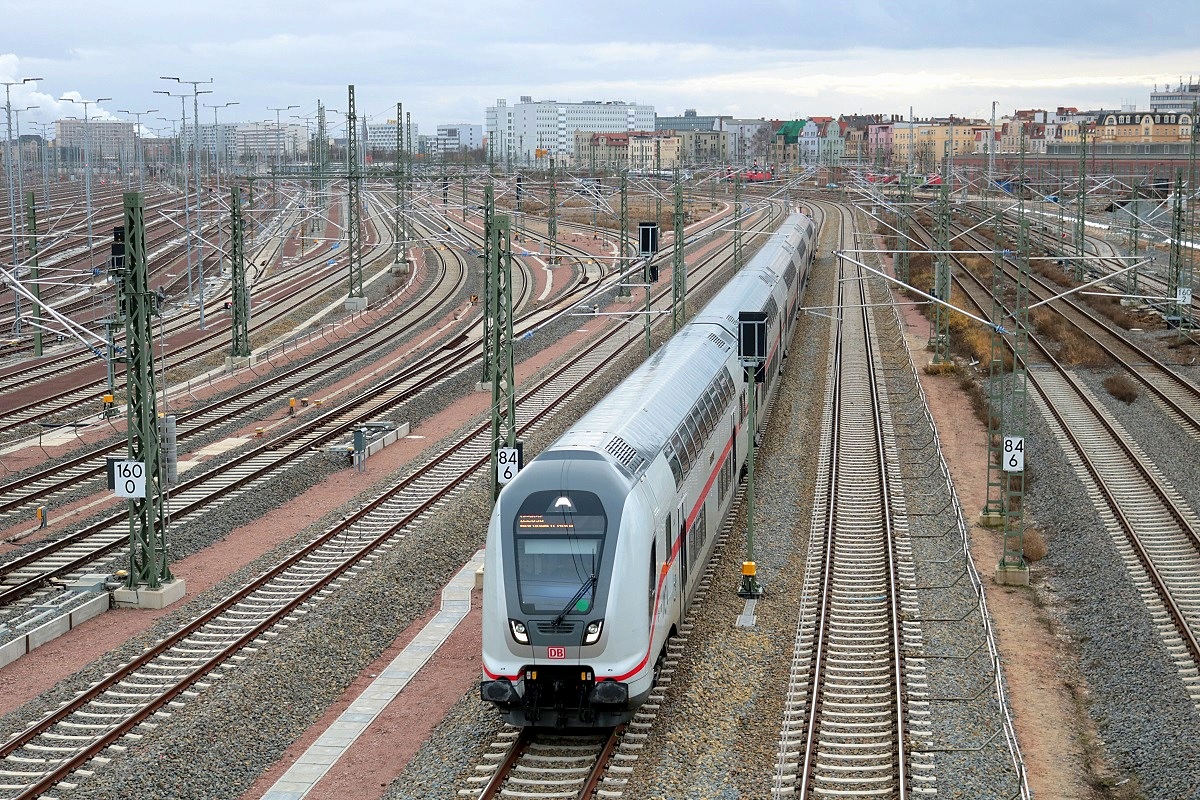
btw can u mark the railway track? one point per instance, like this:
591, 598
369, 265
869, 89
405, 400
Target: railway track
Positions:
87, 732
1152, 527
287, 292
847, 720
1154, 531
531, 763
23, 575
21, 493
543, 765
1177, 395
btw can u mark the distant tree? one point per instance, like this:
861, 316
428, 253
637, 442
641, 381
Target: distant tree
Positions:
760, 143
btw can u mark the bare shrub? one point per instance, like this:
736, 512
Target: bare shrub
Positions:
1079, 351
1034, 545
1120, 387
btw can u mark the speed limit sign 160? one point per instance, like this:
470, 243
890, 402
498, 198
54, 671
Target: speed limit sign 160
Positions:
507, 464
129, 479
1014, 454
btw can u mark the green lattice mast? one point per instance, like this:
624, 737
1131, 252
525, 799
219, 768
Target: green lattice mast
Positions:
678, 266
354, 205
237, 271
147, 524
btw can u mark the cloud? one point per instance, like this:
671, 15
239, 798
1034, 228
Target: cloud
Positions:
772, 58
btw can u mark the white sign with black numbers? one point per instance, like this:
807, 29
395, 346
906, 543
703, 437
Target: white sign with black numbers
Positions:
506, 464
1183, 296
129, 479
1014, 453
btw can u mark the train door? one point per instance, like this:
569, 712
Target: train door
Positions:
681, 531
733, 438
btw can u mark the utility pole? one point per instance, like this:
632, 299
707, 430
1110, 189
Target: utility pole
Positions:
678, 266
1179, 285
354, 299
902, 255
1135, 240
992, 514
1080, 210
623, 240
237, 271
737, 223
147, 531
504, 399
87, 170
657, 172
140, 156
187, 203
1012, 568
489, 315
400, 243
12, 195
196, 92
34, 284
322, 164
217, 171
278, 153
552, 218
991, 176
20, 161
407, 187
940, 334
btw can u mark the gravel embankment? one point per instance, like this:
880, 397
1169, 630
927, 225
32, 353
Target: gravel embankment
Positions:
1145, 717
219, 742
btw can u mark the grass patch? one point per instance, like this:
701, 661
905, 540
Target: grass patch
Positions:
944, 368
1111, 308
1073, 348
975, 395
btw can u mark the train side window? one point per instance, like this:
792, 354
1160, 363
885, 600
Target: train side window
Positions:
696, 443
696, 535
680, 455
676, 467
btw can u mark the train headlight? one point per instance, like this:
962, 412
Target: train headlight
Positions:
518, 631
591, 634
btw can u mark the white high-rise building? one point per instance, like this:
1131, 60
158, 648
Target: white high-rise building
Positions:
455, 137
220, 140
110, 140
382, 137
1178, 99
517, 132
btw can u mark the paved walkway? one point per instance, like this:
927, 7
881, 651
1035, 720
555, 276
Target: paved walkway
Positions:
310, 767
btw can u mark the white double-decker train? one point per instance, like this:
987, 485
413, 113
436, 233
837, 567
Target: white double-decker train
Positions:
595, 549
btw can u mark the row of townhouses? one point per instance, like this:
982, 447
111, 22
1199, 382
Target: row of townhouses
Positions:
610, 133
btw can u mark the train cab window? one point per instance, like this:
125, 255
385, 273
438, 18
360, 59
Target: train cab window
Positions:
558, 540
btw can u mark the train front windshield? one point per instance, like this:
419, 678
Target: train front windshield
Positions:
558, 538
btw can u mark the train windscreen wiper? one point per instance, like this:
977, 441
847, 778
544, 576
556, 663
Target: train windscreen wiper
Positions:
583, 587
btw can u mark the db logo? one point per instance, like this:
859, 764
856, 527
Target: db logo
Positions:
556, 652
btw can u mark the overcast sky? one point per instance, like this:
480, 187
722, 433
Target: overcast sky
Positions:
448, 61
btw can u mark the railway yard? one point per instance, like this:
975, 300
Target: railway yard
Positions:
329, 640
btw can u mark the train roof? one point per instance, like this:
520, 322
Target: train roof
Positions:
633, 422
